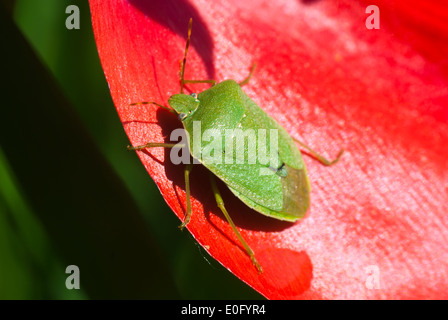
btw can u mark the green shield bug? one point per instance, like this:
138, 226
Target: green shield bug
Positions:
267, 173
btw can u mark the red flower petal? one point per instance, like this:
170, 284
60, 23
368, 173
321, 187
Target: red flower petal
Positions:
381, 94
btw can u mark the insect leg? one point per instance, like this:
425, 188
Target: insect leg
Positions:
156, 144
150, 102
187, 171
246, 81
320, 158
220, 204
213, 82
184, 61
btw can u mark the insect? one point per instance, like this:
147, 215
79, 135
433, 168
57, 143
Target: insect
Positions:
277, 187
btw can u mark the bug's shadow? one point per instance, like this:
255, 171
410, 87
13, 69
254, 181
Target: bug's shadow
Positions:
175, 14
201, 190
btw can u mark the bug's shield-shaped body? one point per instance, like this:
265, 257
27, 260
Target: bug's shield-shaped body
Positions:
247, 149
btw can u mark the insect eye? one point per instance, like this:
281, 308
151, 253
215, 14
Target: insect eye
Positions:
182, 116
194, 95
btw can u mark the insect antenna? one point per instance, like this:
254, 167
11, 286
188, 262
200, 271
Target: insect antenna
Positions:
184, 61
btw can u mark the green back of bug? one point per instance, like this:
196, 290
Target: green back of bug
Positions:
279, 187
